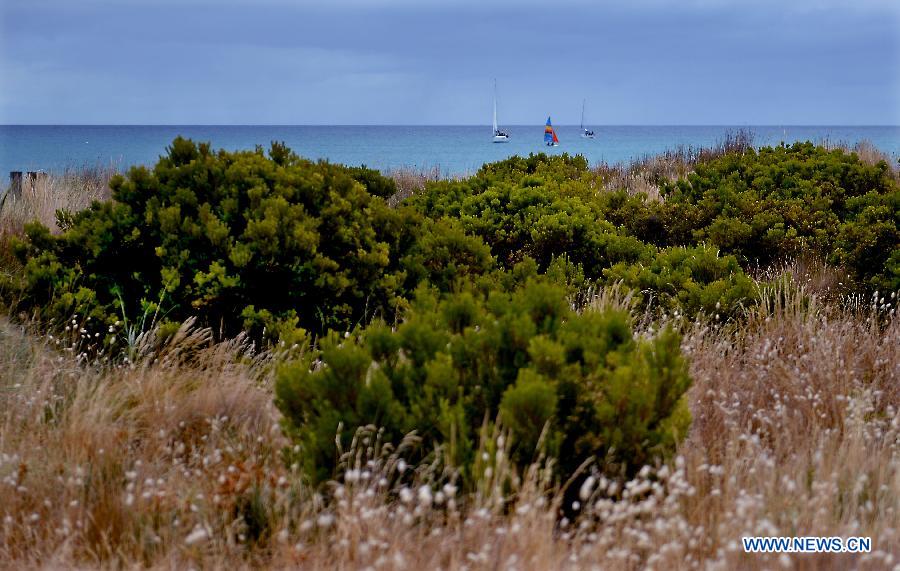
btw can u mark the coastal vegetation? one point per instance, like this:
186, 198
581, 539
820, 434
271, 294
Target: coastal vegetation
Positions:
252, 359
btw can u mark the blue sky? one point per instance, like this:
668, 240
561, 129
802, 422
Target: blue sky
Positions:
432, 61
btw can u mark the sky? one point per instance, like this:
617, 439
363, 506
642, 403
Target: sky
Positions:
410, 62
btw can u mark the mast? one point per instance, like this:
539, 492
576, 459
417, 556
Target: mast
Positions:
582, 114
495, 106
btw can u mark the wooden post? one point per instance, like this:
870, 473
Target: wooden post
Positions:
15, 184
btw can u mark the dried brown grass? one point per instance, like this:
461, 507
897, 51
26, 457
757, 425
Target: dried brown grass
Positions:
410, 181
174, 460
867, 153
646, 174
72, 190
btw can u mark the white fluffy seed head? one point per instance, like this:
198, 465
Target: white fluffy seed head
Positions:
586, 488
199, 535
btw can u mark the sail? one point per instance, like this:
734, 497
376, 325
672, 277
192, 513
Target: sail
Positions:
549, 133
495, 106
583, 101
495, 114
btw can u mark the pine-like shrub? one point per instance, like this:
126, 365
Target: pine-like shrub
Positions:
868, 242
781, 202
461, 360
539, 207
690, 280
242, 240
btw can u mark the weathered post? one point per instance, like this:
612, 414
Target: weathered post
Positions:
15, 184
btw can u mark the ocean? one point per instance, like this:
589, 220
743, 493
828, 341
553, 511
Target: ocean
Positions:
452, 150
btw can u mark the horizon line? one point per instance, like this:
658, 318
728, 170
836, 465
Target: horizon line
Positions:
480, 125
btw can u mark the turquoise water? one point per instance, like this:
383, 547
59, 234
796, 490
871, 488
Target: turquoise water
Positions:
452, 150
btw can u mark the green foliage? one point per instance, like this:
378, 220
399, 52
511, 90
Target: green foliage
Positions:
757, 206
241, 240
539, 207
781, 202
691, 280
280, 245
444, 255
868, 242
549, 209
462, 358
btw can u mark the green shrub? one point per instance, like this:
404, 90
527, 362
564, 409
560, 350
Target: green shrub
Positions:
549, 208
691, 280
461, 359
540, 207
780, 202
868, 242
241, 240
562, 168
444, 256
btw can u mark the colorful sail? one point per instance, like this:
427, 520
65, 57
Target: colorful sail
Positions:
550, 134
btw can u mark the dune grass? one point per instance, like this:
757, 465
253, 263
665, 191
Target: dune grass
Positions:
73, 189
174, 459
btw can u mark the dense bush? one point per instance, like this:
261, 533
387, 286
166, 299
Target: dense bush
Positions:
242, 240
759, 206
281, 245
539, 207
549, 207
460, 360
781, 202
690, 280
868, 242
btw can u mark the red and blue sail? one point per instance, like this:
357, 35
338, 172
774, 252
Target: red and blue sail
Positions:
550, 134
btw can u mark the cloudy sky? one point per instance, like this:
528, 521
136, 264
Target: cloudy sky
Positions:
433, 61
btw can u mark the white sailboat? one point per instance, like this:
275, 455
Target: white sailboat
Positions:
585, 133
499, 135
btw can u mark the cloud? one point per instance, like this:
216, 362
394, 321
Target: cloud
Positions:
380, 61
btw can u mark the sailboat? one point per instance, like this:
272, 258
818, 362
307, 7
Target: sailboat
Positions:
585, 133
550, 138
499, 135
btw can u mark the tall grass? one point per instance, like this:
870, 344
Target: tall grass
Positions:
645, 174
410, 180
73, 189
176, 459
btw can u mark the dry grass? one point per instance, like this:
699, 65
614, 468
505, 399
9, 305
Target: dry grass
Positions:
73, 190
646, 174
409, 181
867, 153
174, 460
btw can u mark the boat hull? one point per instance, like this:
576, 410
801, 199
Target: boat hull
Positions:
501, 139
